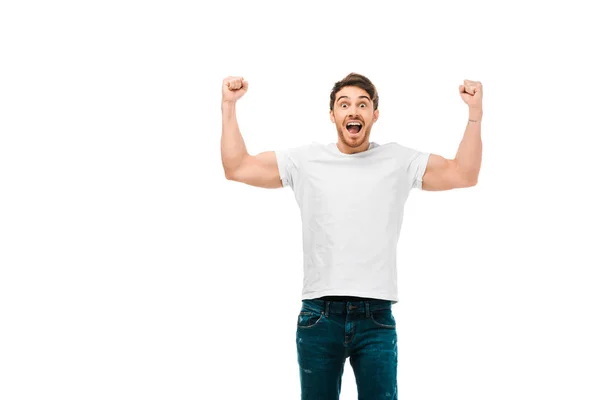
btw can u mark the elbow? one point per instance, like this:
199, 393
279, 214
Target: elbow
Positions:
229, 175
471, 180
230, 171
468, 179
466, 176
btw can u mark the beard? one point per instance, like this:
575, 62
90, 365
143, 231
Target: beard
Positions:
353, 142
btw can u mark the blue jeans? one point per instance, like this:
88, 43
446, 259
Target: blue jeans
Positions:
328, 332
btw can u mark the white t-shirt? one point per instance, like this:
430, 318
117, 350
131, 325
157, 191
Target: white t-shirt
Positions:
351, 207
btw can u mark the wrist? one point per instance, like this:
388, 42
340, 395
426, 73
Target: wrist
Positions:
475, 114
227, 105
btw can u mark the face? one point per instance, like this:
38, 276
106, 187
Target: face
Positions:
353, 116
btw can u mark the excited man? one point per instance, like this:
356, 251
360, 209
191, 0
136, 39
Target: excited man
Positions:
351, 195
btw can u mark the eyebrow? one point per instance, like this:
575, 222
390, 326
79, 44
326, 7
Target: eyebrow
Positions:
360, 97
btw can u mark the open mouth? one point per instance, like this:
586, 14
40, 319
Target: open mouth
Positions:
354, 128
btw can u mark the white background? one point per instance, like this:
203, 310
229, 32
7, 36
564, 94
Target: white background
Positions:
132, 269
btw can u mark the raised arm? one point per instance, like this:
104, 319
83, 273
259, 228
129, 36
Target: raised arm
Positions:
463, 170
259, 170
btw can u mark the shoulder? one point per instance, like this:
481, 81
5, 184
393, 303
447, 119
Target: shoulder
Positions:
412, 157
405, 151
295, 153
295, 149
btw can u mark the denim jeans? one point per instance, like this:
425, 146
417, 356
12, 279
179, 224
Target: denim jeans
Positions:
328, 332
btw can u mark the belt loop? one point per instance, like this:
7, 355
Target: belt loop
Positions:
327, 308
367, 307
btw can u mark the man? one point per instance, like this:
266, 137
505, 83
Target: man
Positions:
351, 195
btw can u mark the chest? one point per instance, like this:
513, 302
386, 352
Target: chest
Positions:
355, 184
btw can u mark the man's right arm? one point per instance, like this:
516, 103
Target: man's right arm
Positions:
260, 170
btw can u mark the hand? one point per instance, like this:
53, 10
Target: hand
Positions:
233, 88
471, 93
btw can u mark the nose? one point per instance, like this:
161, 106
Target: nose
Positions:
353, 112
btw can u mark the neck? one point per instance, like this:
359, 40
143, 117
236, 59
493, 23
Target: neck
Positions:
344, 148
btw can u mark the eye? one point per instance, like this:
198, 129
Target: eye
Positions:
343, 105
363, 104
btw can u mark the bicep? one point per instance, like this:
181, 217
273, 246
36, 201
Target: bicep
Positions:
260, 170
443, 174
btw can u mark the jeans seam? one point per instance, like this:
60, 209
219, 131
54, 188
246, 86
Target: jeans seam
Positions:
380, 324
308, 327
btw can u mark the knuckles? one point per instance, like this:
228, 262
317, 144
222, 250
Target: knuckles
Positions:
233, 82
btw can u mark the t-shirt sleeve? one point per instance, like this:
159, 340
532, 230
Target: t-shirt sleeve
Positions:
415, 163
288, 161
416, 167
283, 164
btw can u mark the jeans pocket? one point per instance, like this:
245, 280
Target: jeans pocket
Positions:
383, 318
308, 319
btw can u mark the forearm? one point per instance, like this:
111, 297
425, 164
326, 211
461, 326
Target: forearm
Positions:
468, 156
233, 148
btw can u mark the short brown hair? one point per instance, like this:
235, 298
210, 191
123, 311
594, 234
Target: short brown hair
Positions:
358, 80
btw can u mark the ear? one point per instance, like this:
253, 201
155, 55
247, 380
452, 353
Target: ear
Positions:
331, 117
375, 115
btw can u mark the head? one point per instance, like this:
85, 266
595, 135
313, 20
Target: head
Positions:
353, 107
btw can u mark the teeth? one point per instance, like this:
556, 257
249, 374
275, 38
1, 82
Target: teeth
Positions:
354, 123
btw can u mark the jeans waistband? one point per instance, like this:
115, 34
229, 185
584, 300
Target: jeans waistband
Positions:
346, 307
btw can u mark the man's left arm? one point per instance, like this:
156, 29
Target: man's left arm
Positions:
463, 170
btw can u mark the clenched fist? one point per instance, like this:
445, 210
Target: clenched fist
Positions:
234, 87
471, 93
